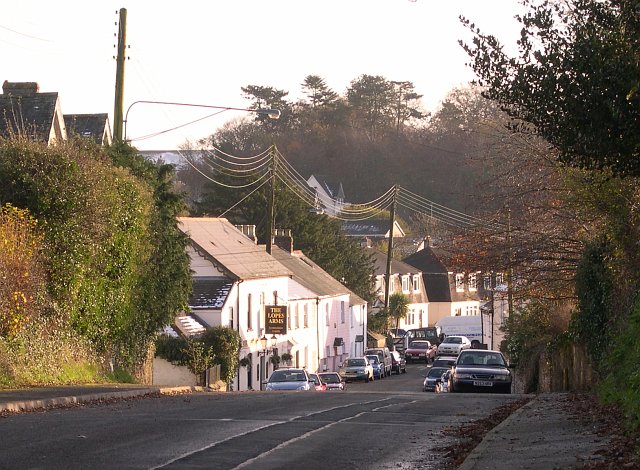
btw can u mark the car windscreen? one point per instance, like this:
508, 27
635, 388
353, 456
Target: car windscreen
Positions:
330, 378
453, 340
288, 376
373, 359
481, 359
355, 362
436, 371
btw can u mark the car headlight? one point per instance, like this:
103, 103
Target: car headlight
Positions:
268, 387
462, 376
503, 378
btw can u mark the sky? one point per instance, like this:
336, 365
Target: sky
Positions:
203, 52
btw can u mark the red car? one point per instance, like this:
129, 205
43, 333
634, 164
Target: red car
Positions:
318, 383
420, 350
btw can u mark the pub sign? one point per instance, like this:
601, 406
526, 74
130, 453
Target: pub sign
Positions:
275, 319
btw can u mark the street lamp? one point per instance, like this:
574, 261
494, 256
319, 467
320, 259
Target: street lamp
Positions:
269, 112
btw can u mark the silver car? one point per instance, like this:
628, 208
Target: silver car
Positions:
290, 379
356, 368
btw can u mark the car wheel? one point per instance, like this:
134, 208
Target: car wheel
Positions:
404, 371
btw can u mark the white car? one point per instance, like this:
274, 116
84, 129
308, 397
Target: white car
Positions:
452, 345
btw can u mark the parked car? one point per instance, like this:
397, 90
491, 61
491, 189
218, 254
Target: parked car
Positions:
442, 385
398, 362
378, 367
420, 350
333, 381
432, 377
320, 386
385, 357
444, 361
452, 345
290, 379
356, 368
481, 370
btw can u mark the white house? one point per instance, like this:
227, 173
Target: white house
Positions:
336, 316
405, 279
234, 281
329, 194
279, 303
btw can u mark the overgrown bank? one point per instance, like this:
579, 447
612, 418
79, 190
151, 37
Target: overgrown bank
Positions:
90, 243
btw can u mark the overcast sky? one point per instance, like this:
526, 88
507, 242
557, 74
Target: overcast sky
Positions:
203, 52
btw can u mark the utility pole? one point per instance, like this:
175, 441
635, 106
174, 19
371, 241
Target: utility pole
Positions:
119, 100
390, 247
272, 200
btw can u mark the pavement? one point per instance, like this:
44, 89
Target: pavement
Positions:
544, 434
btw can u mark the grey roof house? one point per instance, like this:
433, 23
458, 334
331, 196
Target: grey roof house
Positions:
26, 112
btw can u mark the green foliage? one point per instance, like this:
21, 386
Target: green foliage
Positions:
621, 384
116, 266
48, 353
199, 357
574, 79
398, 306
529, 332
379, 321
225, 345
171, 349
594, 286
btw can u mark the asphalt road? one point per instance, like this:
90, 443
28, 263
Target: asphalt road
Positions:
386, 424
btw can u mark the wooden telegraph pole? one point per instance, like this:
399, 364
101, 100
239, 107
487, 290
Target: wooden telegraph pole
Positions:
119, 99
392, 218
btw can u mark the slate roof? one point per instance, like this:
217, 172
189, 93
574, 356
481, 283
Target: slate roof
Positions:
25, 111
93, 126
434, 274
397, 267
371, 229
210, 293
230, 249
313, 277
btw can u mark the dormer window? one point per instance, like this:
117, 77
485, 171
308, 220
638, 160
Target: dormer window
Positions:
460, 282
405, 283
416, 283
473, 282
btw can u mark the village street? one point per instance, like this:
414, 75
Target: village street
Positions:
389, 423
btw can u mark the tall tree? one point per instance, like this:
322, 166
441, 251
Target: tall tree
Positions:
575, 80
398, 307
372, 99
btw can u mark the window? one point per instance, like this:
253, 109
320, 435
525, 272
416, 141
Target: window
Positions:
249, 313
460, 282
473, 281
231, 317
326, 308
405, 283
306, 315
289, 317
327, 351
487, 281
351, 315
499, 279
416, 283
342, 311
297, 318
